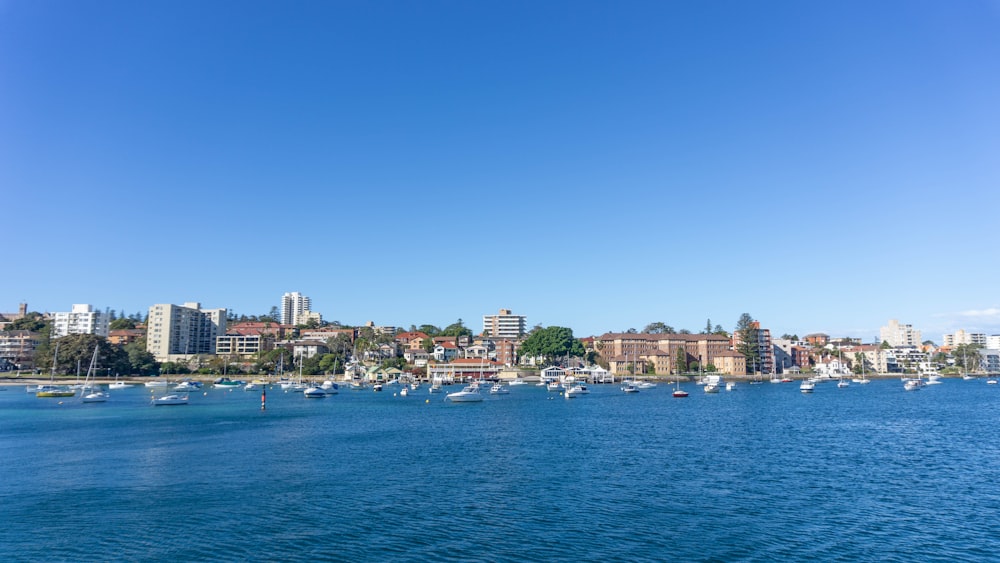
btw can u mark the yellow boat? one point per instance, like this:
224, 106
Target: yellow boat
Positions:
54, 391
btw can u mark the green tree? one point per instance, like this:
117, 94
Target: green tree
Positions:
456, 329
708, 327
748, 334
551, 343
77, 349
966, 356
680, 360
430, 330
658, 328
139, 360
32, 321
122, 323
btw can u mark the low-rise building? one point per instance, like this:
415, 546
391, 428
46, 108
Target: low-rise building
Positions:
244, 345
123, 336
18, 347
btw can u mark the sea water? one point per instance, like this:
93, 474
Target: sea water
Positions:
762, 473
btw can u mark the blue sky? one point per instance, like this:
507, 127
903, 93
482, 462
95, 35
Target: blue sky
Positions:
823, 166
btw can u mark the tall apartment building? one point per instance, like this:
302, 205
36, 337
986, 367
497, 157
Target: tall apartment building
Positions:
899, 334
961, 337
295, 308
180, 331
505, 325
764, 363
83, 319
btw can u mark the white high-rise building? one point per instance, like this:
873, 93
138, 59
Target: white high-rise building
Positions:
181, 331
505, 325
961, 337
83, 319
295, 308
899, 335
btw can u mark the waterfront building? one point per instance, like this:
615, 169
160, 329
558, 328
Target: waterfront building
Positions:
993, 342
295, 308
897, 334
245, 345
18, 347
764, 362
412, 340
463, 368
505, 325
83, 319
176, 332
622, 349
989, 360
960, 337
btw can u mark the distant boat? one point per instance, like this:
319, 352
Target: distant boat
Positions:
314, 393
518, 381
577, 390
170, 400
912, 384
678, 392
629, 386
52, 390
95, 395
499, 389
117, 385
807, 386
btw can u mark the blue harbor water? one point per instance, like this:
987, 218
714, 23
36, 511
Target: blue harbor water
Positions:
762, 473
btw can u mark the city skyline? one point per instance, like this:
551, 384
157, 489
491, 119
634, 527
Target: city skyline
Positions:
822, 167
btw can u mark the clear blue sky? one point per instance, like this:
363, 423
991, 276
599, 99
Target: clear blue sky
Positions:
823, 166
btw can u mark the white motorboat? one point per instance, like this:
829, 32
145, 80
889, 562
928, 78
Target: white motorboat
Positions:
807, 386
95, 397
470, 394
314, 393
912, 384
170, 400
330, 387
577, 390
646, 385
404, 392
118, 385
843, 383
157, 383
554, 386
518, 381
933, 379
629, 387
499, 389
730, 386
187, 387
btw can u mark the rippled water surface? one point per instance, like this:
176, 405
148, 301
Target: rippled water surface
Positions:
763, 473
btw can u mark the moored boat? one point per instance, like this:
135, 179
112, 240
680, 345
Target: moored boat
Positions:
170, 400
470, 394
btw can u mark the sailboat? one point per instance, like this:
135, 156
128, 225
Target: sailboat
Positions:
95, 395
53, 390
678, 392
